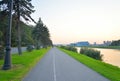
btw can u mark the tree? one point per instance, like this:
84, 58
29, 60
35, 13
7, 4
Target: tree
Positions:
37, 33
41, 34
115, 43
45, 38
26, 34
22, 8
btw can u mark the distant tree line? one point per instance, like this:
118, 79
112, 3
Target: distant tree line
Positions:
115, 43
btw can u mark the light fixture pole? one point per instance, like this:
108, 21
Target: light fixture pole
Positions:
7, 59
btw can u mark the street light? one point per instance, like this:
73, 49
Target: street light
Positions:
7, 60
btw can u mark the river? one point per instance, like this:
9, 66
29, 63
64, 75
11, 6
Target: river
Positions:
111, 56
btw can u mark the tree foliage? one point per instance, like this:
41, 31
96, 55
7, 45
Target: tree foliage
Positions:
29, 35
115, 43
21, 8
26, 34
41, 34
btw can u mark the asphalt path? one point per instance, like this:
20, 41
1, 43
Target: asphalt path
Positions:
58, 66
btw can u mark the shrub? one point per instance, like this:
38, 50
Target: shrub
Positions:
37, 47
71, 48
91, 53
30, 48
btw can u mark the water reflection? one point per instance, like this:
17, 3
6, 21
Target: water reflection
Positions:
111, 56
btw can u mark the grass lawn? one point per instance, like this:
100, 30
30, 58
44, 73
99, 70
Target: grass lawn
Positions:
21, 65
107, 70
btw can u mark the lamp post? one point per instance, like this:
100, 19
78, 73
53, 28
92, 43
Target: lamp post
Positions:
7, 60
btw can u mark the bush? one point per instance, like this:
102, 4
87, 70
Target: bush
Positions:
37, 47
70, 48
91, 53
2, 53
30, 48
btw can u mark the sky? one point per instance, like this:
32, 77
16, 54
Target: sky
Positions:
79, 20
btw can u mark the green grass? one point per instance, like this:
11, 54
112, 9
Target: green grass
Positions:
107, 70
21, 65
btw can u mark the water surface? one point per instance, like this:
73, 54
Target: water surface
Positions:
111, 56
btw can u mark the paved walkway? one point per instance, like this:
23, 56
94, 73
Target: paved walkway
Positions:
58, 66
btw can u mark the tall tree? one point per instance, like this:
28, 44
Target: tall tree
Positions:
26, 34
41, 34
22, 8
37, 33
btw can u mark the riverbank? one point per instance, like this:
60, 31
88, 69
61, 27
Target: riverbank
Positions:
111, 56
109, 71
106, 47
21, 65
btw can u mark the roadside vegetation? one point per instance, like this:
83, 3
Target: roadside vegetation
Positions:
21, 32
91, 53
70, 48
109, 71
21, 65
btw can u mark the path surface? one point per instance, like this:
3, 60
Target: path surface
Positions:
58, 66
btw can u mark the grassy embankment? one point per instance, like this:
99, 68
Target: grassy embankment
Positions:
21, 65
106, 47
107, 70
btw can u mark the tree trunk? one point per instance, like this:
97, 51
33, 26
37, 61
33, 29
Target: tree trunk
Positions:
18, 30
18, 38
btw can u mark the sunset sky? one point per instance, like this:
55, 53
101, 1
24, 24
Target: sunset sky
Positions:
79, 20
